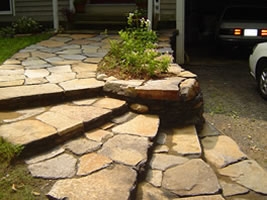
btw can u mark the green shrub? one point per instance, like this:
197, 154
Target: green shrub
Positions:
7, 32
135, 55
25, 25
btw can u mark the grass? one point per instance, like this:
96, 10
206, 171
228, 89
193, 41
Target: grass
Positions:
9, 46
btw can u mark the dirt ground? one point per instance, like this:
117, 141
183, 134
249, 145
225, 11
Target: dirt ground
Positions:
232, 103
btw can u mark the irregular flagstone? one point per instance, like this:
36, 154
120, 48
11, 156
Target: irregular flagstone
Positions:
36, 73
85, 75
141, 125
29, 90
81, 146
165, 161
70, 52
213, 197
11, 78
62, 166
26, 131
93, 60
21, 55
148, 192
51, 43
73, 57
83, 113
24, 114
126, 149
8, 72
42, 55
105, 184
85, 102
58, 78
63, 124
185, 141
60, 69
161, 149
35, 63
84, 67
109, 103
221, 151
208, 130
231, 189
189, 88
154, 177
193, 178
92, 162
247, 173
45, 156
35, 81
11, 83
124, 118
12, 62
11, 66
98, 135
81, 84
160, 89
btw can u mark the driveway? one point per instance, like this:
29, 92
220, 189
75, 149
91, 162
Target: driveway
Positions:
232, 103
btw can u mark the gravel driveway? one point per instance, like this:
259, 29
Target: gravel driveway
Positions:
232, 103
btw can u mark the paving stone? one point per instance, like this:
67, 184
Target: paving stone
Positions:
85, 102
126, 149
61, 38
11, 83
81, 36
21, 55
36, 73
26, 131
12, 78
105, 184
82, 113
62, 166
93, 60
51, 43
213, 197
42, 55
81, 84
73, 57
189, 88
164, 161
24, 114
63, 124
35, 63
11, 72
124, 118
109, 103
160, 89
12, 66
86, 75
208, 130
247, 173
185, 141
231, 189
60, 69
11, 62
45, 156
62, 77
139, 108
187, 74
84, 67
35, 81
70, 52
162, 137
161, 149
29, 90
148, 192
154, 177
92, 162
221, 151
82, 146
141, 125
193, 178
98, 135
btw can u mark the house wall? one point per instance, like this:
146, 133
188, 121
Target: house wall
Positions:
40, 10
167, 10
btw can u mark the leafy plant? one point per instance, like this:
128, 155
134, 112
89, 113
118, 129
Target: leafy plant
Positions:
7, 32
136, 54
26, 25
8, 151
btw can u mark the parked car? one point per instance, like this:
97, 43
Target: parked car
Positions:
258, 67
242, 25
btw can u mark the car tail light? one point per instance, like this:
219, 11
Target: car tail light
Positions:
263, 32
237, 31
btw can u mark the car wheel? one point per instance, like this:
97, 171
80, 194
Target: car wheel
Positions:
262, 80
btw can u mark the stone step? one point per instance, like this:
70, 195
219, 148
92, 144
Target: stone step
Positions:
44, 127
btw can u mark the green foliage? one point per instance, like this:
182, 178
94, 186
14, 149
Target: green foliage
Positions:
8, 151
25, 25
7, 32
136, 53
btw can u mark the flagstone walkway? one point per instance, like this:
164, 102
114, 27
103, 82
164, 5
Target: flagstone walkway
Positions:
96, 147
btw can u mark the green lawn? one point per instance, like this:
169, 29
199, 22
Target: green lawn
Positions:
9, 46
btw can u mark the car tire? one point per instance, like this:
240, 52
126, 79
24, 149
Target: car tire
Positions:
262, 79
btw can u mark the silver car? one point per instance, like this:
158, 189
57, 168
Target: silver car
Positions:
242, 25
258, 67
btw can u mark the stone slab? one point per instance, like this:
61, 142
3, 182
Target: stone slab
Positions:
80, 84
26, 131
185, 141
105, 184
193, 178
221, 151
142, 125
